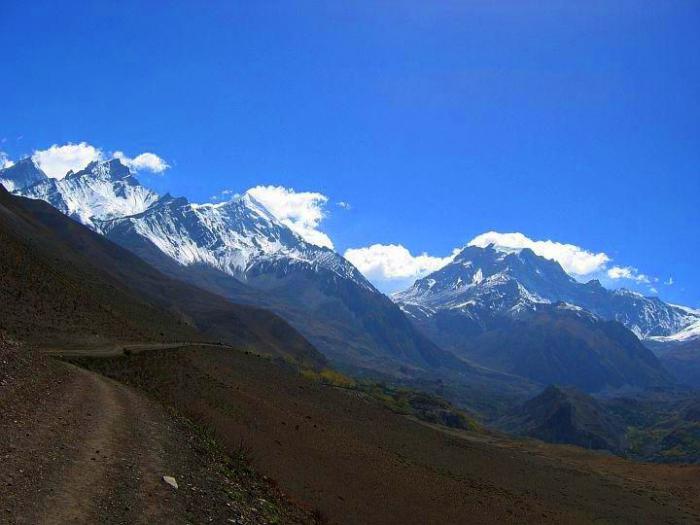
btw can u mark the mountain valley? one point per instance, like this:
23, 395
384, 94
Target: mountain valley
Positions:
237, 326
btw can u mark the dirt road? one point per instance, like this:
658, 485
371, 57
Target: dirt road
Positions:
111, 350
76, 447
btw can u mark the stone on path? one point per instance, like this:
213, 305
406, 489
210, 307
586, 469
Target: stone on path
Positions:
170, 481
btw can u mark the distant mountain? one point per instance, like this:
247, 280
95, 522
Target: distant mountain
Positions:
481, 282
690, 333
568, 416
680, 357
680, 352
21, 175
239, 250
555, 344
520, 313
63, 285
101, 191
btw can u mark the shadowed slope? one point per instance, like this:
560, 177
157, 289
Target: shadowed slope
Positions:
64, 284
565, 415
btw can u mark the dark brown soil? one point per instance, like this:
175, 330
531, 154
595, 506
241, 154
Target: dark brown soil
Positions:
359, 463
77, 447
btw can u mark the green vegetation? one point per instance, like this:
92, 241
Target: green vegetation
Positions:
668, 431
661, 443
402, 400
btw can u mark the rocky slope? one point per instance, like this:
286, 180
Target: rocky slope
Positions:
358, 462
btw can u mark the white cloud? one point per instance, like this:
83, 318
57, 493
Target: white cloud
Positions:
574, 259
627, 272
143, 162
653, 290
224, 195
669, 282
5, 161
385, 262
301, 211
391, 267
57, 160
344, 205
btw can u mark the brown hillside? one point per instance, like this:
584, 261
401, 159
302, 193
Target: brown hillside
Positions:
360, 463
62, 284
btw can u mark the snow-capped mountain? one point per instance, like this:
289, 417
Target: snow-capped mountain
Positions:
233, 237
482, 282
516, 312
20, 175
690, 333
101, 191
240, 250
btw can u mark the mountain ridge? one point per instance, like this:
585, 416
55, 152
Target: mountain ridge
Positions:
64, 284
517, 312
508, 281
238, 249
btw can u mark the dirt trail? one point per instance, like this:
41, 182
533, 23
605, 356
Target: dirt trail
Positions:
95, 458
77, 447
106, 467
111, 350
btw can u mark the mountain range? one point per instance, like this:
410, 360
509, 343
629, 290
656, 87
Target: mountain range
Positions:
491, 316
482, 282
514, 311
239, 250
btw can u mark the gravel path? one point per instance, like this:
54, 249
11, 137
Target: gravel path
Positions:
77, 447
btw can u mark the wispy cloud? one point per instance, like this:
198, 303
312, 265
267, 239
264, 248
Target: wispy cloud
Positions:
57, 160
302, 212
629, 273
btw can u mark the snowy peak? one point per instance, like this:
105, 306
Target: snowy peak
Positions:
110, 170
492, 281
689, 333
22, 174
236, 237
489, 271
100, 192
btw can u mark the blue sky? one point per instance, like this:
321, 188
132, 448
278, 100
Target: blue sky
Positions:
576, 122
